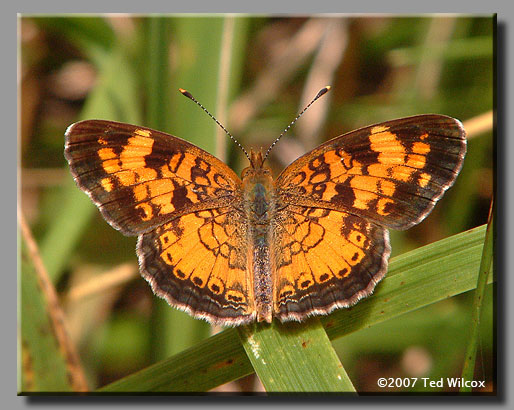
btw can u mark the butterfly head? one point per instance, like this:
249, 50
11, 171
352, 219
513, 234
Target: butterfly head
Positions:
256, 167
256, 159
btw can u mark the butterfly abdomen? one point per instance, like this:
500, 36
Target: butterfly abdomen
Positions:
259, 207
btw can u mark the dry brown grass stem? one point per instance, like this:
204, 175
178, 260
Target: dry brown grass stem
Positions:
55, 312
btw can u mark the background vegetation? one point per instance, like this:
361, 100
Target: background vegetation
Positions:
254, 74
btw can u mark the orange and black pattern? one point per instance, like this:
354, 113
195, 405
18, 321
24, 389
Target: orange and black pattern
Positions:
232, 250
140, 178
391, 173
325, 260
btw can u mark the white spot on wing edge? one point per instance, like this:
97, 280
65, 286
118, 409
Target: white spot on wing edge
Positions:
379, 128
70, 127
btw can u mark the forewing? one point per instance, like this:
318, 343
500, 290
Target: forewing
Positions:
140, 178
391, 173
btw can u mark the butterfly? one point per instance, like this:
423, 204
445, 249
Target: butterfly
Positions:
234, 250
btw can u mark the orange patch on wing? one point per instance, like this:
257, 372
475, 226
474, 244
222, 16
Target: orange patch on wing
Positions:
107, 184
316, 233
385, 142
379, 129
379, 170
164, 203
140, 192
106, 153
133, 155
402, 173
174, 162
216, 285
355, 171
416, 161
381, 205
305, 280
316, 162
167, 239
331, 157
159, 187
141, 139
318, 178
348, 162
219, 233
167, 258
420, 148
131, 162
143, 133
146, 174
356, 238
363, 198
126, 177
392, 158
352, 254
233, 295
111, 166
206, 236
344, 271
298, 179
424, 179
201, 180
387, 187
365, 183
341, 179
166, 171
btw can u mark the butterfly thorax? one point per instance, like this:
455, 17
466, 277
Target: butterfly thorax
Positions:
259, 205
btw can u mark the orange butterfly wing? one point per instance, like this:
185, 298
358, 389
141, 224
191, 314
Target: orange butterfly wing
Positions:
337, 200
181, 201
141, 178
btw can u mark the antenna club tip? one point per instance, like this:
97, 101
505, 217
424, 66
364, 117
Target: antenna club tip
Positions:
322, 92
186, 93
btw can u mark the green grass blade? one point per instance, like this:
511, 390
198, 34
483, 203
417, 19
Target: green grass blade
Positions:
157, 44
294, 357
189, 122
485, 267
164, 340
418, 278
185, 121
43, 366
196, 54
210, 363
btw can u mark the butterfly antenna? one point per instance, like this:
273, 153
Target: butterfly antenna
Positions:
190, 96
318, 95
